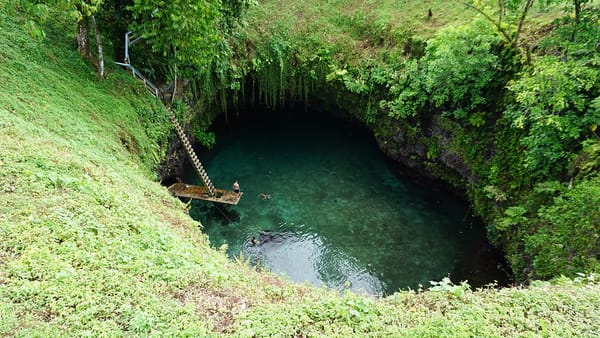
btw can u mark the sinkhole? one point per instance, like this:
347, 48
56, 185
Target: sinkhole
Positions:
323, 205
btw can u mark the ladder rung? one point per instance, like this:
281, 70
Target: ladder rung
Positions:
192, 155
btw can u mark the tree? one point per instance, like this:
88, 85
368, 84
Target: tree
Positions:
185, 30
82, 11
454, 76
554, 107
567, 236
508, 16
85, 10
232, 10
459, 67
578, 7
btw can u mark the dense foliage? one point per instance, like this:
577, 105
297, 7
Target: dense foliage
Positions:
455, 75
183, 30
515, 124
511, 112
506, 109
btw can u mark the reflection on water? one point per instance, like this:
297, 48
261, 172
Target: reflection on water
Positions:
305, 258
325, 208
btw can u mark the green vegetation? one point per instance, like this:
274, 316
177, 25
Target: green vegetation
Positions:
92, 245
504, 98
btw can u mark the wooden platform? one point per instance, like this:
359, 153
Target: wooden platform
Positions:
198, 192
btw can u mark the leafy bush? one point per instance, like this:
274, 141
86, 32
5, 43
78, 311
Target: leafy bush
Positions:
454, 75
567, 239
553, 106
91, 246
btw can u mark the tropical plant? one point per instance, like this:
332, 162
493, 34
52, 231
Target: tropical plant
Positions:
553, 106
454, 76
185, 30
567, 239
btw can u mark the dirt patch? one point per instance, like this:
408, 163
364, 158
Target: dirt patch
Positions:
171, 166
219, 307
173, 221
532, 37
129, 142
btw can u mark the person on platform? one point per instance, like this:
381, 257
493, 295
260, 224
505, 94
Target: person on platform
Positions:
236, 187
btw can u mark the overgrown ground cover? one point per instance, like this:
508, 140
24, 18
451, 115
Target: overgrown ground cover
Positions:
92, 245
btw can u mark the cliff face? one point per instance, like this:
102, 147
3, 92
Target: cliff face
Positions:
427, 156
171, 166
431, 155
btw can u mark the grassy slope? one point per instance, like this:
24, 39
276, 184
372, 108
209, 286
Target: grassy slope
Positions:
89, 242
339, 20
348, 26
92, 245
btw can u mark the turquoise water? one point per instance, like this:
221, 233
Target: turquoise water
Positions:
337, 215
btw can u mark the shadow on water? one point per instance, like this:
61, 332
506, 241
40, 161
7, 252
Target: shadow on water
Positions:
322, 205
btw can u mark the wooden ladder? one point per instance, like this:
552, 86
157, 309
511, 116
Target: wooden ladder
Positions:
192, 155
230, 197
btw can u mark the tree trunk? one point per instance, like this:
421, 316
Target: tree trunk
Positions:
175, 80
99, 44
83, 43
577, 4
524, 13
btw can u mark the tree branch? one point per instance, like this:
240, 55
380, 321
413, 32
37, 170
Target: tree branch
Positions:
490, 19
501, 6
526, 9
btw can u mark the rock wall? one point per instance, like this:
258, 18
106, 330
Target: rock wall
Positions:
171, 166
430, 155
